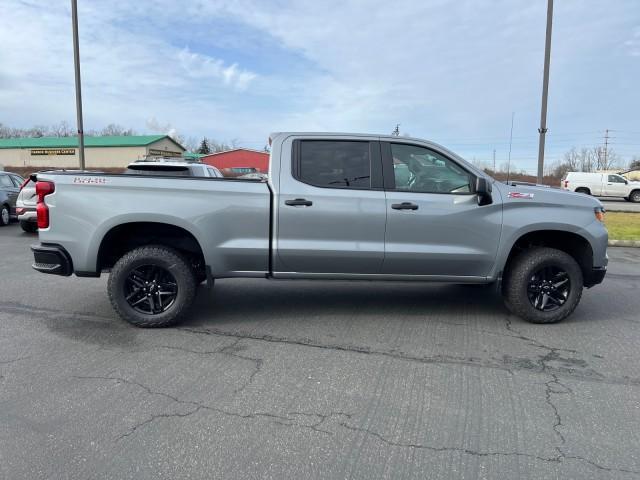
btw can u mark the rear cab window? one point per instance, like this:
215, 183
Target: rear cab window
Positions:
345, 164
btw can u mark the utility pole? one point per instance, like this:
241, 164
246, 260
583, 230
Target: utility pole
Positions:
606, 148
396, 131
513, 114
76, 63
494, 161
545, 91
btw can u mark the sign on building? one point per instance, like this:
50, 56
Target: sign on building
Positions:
53, 151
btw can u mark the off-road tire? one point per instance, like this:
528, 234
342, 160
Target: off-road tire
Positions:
519, 273
166, 258
29, 227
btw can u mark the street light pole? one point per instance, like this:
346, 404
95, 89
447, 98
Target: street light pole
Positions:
76, 62
545, 91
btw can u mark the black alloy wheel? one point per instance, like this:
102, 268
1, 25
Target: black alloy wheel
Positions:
150, 289
549, 288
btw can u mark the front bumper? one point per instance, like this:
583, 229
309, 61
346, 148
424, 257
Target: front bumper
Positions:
53, 259
596, 276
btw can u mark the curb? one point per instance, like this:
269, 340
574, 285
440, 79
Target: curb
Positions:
624, 243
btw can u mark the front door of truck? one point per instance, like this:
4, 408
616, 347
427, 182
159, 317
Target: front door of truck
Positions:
331, 209
616, 186
435, 226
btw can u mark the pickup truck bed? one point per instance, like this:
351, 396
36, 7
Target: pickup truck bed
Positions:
96, 205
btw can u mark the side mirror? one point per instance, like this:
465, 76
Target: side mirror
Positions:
483, 190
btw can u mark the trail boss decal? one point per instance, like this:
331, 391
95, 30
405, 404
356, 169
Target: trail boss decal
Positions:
90, 180
525, 196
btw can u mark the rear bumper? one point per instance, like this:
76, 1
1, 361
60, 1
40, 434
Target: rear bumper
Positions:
596, 277
51, 259
27, 214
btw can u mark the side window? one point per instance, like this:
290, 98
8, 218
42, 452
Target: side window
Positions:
616, 179
418, 169
5, 181
212, 172
17, 180
334, 164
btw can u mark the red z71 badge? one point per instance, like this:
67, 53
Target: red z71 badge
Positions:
527, 196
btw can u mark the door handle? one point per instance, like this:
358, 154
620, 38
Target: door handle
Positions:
299, 202
404, 206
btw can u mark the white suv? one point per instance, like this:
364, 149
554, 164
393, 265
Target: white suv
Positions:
173, 168
602, 185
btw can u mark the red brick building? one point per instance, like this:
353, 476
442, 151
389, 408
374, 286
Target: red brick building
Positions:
232, 161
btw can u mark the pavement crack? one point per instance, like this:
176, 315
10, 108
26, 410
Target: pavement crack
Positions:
558, 459
505, 363
291, 419
14, 360
432, 448
231, 351
155, 417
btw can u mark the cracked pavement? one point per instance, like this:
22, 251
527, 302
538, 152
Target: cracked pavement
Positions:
316, 380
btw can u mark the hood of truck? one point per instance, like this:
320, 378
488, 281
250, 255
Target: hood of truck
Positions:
546, 195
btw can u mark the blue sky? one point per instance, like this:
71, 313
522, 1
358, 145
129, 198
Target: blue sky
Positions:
449, 71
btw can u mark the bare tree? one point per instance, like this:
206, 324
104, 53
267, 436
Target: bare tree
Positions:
61, 129
114, 129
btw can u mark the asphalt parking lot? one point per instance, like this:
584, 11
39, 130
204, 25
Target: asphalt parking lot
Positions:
316, 380
619, 204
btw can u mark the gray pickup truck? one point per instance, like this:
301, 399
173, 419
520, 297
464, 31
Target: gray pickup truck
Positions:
335, 206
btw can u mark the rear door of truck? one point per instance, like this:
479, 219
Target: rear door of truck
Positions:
331, 207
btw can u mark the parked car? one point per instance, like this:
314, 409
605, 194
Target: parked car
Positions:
334, 207
9, 187
602, 185
173, 168
239, 171
255, 176
26, 206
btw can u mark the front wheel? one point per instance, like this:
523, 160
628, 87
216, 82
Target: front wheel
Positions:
635, 196
152, 286
4, 215
543, 285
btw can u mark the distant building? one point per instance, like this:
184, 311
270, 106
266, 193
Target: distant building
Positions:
232, 162
100, 152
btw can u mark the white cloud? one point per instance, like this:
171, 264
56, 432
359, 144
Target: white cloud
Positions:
443, 69
202, 67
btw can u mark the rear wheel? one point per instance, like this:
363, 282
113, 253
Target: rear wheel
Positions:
4, 215
543, 285
29, 227
586, 191
635, 196
152, 286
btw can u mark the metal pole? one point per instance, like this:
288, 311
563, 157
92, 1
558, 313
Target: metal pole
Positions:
76, 62
513, 114
545, 91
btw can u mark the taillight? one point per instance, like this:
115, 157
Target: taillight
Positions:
566, 184
42, 210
